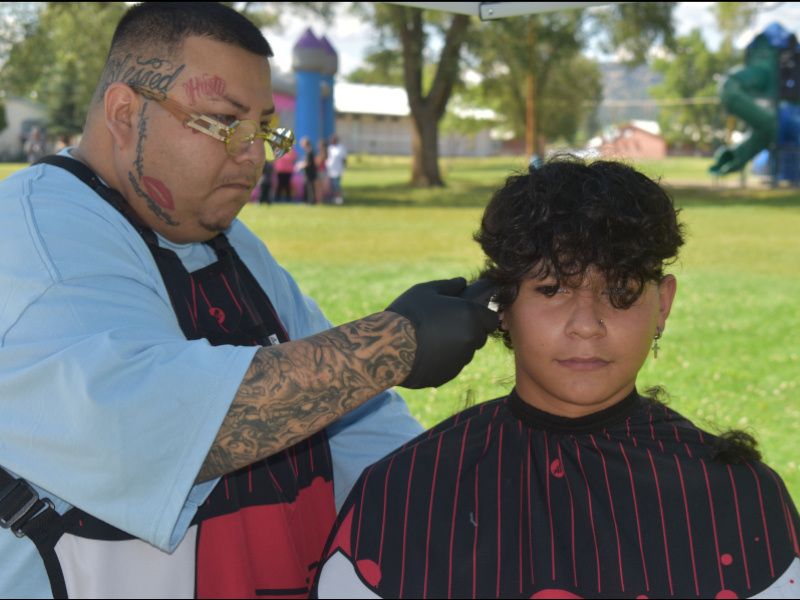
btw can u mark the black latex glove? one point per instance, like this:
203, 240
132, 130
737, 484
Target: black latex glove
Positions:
449, 330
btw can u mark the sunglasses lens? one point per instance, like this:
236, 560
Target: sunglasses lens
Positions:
242, 134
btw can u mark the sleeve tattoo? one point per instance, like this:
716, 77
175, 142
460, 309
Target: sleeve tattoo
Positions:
296, 389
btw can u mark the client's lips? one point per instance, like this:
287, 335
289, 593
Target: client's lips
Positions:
577, 363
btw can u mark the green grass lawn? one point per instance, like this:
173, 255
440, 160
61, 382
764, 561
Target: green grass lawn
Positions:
731, 352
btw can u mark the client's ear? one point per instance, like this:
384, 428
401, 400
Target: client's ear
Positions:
666, 294
502, 316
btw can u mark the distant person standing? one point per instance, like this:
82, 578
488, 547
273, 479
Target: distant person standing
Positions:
309, 168
284, 167
320, 185
266, 183
334, 166
34, 146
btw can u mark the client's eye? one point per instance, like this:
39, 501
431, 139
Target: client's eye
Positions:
550, 290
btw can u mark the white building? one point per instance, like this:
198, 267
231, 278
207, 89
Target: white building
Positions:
21, 115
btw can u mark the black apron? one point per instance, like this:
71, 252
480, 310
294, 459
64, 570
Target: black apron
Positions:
262, 529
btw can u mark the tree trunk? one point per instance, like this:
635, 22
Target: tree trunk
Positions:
425, 150
427, 109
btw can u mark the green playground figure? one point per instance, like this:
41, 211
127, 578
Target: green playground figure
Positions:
765, 94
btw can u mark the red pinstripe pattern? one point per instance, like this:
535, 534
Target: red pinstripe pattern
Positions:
361, 514
455, 509
383, 522
528, 461
613, 512
789, 525
571, 522
521, 526
624, 494
688, 525
405, 521
550, 510
661, 513
638, 520
714, 526
499, 509
430, 516
763, 519
739, 525
591, 517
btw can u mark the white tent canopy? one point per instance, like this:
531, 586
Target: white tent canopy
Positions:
499, 10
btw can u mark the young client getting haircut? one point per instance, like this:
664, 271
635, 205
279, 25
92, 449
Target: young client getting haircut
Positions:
574, 484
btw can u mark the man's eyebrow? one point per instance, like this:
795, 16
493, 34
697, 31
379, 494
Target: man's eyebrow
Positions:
241, 107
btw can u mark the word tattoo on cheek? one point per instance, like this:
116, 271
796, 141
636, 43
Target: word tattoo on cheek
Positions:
140, 141
210, 87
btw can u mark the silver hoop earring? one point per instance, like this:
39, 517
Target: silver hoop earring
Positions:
656, 337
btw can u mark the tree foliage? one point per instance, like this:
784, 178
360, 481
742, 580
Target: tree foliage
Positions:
546, 47
429, 80
690, 72
55, 51
629, 30
60, 58
732, 19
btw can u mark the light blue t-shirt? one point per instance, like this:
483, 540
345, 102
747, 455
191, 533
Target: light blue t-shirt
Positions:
104, 404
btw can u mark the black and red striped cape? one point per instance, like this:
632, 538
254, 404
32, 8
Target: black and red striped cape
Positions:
504, 500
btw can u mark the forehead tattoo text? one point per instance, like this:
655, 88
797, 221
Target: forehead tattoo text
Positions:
206, 86
156, 74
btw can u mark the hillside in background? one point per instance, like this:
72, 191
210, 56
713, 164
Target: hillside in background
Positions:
623, 84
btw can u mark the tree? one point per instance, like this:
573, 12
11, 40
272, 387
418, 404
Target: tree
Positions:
3, 120
692, 71
404, 32
543, 50
532, 68
60, 57
690, 74
732, 19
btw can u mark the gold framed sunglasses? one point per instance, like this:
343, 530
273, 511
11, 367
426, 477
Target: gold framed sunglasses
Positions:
238, 136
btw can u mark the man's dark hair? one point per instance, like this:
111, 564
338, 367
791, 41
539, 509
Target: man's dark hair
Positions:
150, 35
168, 24
566, 216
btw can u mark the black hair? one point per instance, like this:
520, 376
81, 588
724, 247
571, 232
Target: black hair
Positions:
731, 447
567, 215
168, 24
151, 34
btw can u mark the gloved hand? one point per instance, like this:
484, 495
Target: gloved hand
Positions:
449, 330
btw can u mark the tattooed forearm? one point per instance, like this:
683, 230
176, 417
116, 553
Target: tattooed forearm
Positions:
293, 390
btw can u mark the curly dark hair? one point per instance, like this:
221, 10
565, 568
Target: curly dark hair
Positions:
568, 215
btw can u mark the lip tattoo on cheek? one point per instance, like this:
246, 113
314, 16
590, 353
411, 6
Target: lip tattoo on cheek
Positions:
210, 87
158, 192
